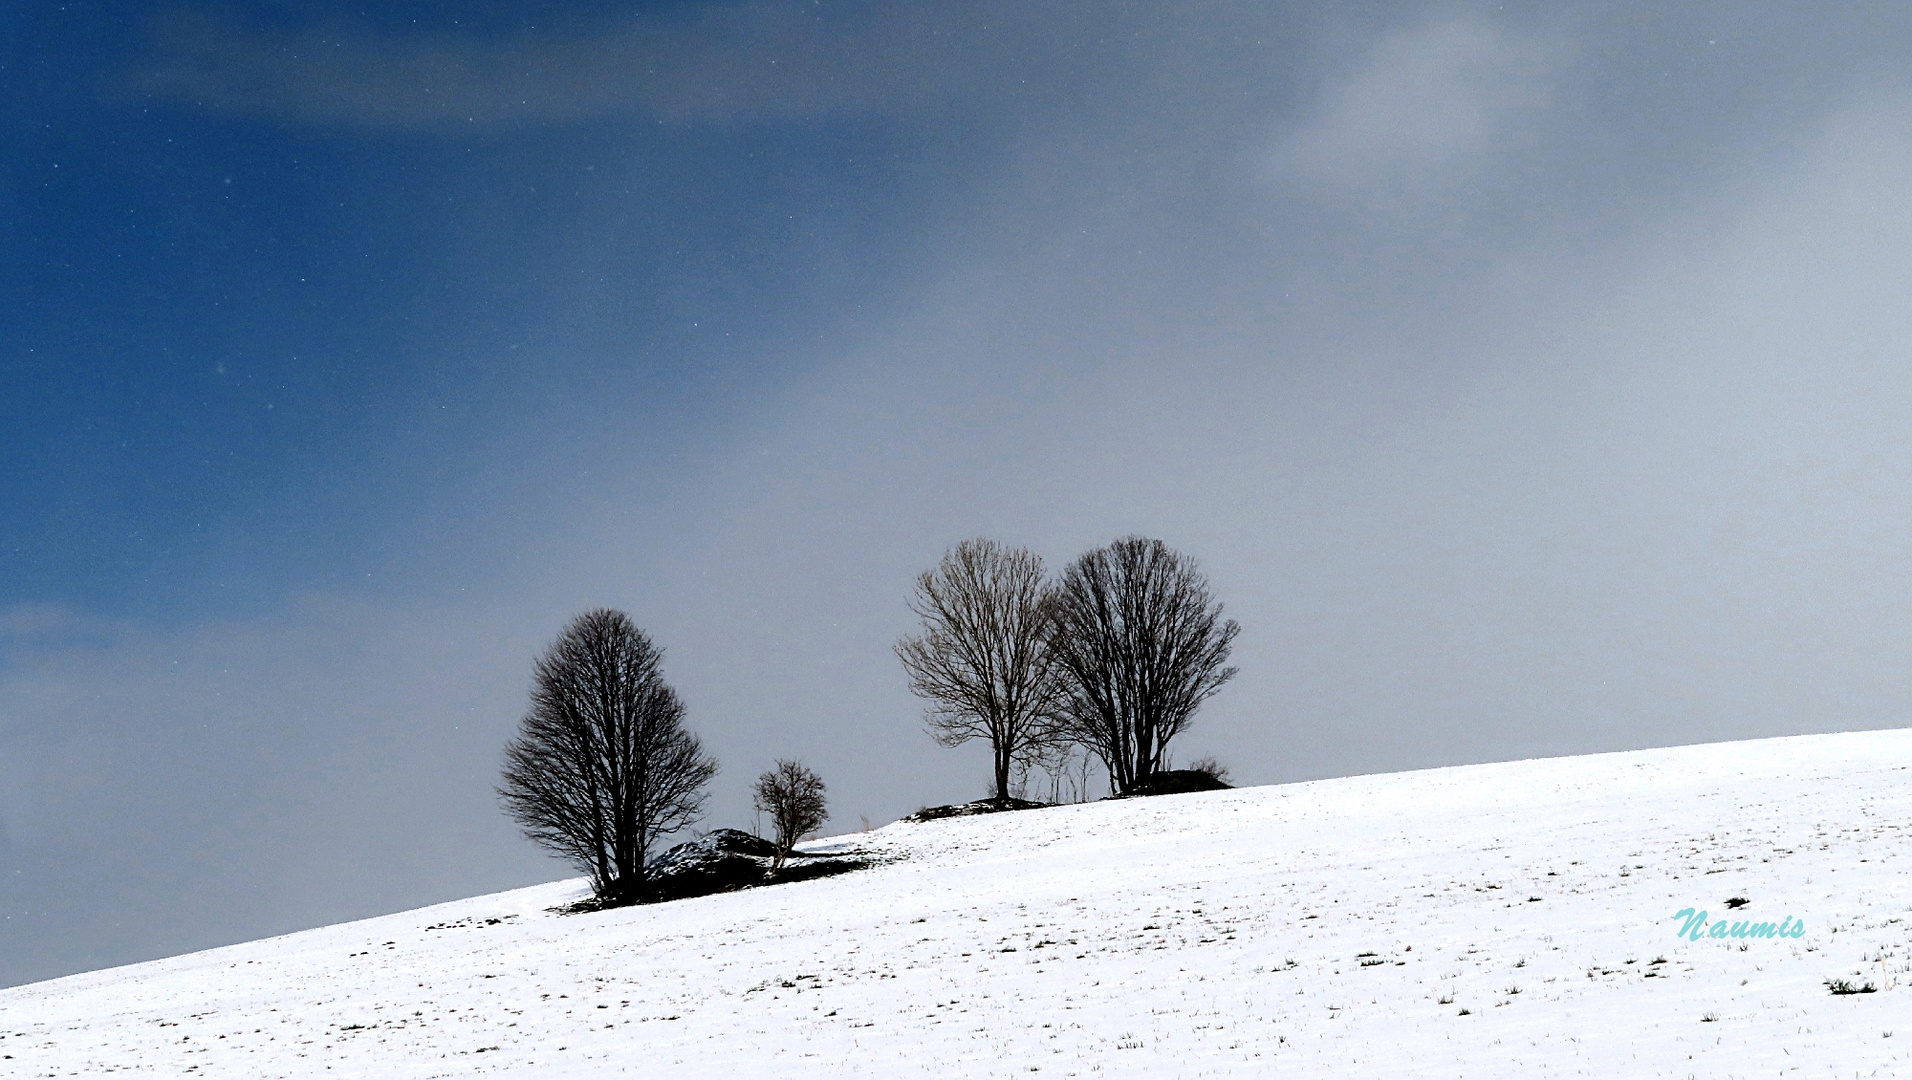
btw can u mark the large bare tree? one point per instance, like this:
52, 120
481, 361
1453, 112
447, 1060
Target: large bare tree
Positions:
602, 767
982, 659
1140, 645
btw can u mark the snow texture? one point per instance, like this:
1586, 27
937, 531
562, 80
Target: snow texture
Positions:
1262, 931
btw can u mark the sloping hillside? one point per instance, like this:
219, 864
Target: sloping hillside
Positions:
1509, 920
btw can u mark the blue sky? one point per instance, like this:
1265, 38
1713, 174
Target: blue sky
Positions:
244, 345
1529, 380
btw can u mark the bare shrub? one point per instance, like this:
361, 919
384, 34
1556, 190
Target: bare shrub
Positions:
793, 797
1210, 768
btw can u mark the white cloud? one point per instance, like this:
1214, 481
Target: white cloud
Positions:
1427, 101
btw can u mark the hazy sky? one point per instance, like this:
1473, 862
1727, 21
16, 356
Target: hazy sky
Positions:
1529, 378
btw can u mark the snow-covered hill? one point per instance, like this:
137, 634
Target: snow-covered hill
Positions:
1508, 920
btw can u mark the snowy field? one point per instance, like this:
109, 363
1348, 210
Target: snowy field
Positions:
1509, 920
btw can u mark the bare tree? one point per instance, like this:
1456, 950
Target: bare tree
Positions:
602, 767
793, 797
982, 658
1141, 645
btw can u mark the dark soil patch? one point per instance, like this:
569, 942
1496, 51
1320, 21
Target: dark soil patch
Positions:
969, 809
1177, 782
723, 861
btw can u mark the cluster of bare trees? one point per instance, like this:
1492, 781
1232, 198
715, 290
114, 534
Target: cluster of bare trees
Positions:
1114, 656
602, 767
1111, 658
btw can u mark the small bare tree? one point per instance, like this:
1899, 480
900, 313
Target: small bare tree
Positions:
1066, 767
982, 658
793, 797
602, 766
1140, 645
